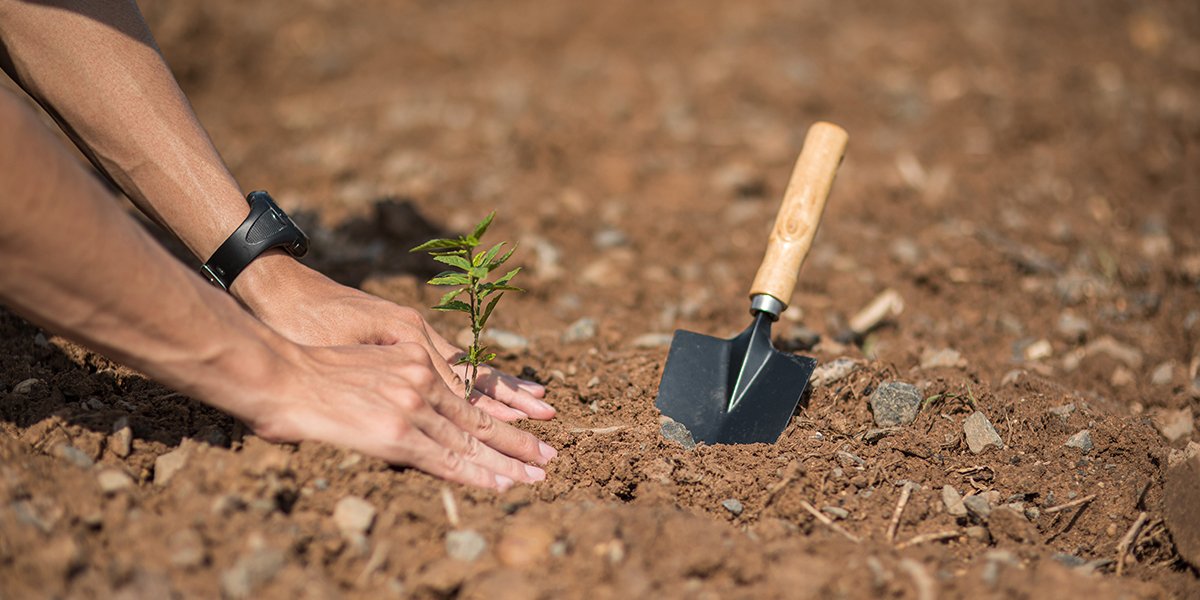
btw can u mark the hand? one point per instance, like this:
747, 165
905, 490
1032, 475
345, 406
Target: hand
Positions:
387, 402
309, 308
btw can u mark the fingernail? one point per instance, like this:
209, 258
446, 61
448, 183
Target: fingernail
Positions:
535, 473
503, 482
521, 413
547, 406
547, 451
531, 387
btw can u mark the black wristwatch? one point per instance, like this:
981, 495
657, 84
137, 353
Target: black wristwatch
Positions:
267, 227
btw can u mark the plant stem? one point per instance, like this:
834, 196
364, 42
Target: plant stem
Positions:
475, 328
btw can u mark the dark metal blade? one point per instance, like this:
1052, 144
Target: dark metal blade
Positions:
737, 391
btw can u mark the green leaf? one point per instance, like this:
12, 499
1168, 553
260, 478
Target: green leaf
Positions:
462, 361
490, 356
454, 261
477, 272
487, 312
508, 277
486, 257
440, 244
482, 227
457, 305
451, 295
450, 278
501, 260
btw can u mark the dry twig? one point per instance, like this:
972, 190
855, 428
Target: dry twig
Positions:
926, 587
1128, 540
829, 522
450, 506
929, 537
1071, 504
900, 504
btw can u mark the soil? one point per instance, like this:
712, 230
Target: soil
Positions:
1023, 174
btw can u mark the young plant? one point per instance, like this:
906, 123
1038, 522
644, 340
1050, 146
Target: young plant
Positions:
470, 277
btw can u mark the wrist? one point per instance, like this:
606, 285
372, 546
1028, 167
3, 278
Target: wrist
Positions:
274, 278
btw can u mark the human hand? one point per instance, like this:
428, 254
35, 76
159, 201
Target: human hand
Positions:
389, 402
309, 308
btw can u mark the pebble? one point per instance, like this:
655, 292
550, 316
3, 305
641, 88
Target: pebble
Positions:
678, 433
608, 238
894, 403
1081, 440
26, 387
978, 506
979, 534
1038, 350
1063, 411
96, 404
1174, 424
840, 514
980, 434
251, 572
947, 357
834, 371
874, 435
525, 546
122, 438
1073, 327
850, 460
953, 501
653, 340
1163, 374
506, 339
1069, 560
187, 548
167, 465
732, 505
353, 516
76, 456
905, 251
1107, 345
581, 330
112, 480
465, 544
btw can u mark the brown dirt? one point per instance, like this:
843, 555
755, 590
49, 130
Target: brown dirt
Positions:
1012, 165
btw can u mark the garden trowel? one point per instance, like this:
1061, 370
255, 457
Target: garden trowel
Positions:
743, 390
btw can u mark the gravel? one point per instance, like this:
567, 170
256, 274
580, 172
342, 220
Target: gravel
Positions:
981, 436
121, 442
353, 516
112, 480
894, 403
732, 505
465, 544
506, 339
167, 465
838, 513
653, 340
251, 572
1081, 440
581, 330
978, 506
953, 501
678, 433
76, 456
1063, 411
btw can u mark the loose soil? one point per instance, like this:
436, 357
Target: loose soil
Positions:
1024, 174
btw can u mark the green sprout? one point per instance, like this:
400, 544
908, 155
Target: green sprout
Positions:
472, 271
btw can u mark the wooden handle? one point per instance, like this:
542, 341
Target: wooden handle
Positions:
800, 213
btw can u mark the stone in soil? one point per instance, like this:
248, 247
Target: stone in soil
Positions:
465, 545
1174, 424
834, 371
1063, 411
121, 442
505, 339
1182, 508
732, 505
1012, 524
678, 433
894, 403
581, 330
953, 501
979, 506
76, 456
525, 546
353, 516
112, 480
251, 572
167, 465
652, 340
946, 357
1082, 440
981, 436
838, 513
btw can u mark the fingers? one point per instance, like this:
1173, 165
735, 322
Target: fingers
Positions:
507, 390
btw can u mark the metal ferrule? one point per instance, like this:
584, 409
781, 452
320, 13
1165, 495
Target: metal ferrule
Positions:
767, 304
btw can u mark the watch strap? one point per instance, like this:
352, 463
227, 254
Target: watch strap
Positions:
266, 227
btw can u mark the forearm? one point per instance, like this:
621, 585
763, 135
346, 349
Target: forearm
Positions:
95, 67
72, 261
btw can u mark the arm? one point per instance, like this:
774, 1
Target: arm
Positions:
71, 260
95, 67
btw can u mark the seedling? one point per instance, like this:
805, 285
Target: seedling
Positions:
470, 277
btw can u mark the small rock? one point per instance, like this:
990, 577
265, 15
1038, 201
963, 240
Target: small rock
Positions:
76, 456
167, 465
1174, 424
121, 442
980, 434
1032, 513
838, 513
96, 404
112, 480
978, 506
353, 516
1012, 524
525, 546
581, 330
251, 572
834, 371
874, 435
26, 387
953, 501
678, 433
1163, 374
732, 505
1175, 457
1081, 440
608, 238
1011, 377
905, 251
505, 339
465, 544
187, 548
1122, 377
1069, 560
947, 357
1039, 350
850, 460
1073, 327
1063, 411
652, 340
894, 403
1107, 345
979, 534
40, 340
